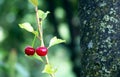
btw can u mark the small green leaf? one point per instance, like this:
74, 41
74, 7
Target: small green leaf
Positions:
34, 2
49, 69
27, 26
45, 15
35, 33
37, 57
55, 41
42, 15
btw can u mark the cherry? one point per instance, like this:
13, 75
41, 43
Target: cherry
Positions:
29, 51
41, 51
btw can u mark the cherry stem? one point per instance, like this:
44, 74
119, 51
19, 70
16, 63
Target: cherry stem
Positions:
33, 42
39, 26
39, 23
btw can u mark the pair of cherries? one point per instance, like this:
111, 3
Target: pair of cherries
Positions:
41, 51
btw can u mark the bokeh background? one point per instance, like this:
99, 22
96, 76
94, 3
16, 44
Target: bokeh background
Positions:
61, 22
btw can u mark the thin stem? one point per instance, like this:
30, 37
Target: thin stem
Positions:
47, 61
41, 35
33, 42
39, 26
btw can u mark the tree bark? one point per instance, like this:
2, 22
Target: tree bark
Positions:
100, 38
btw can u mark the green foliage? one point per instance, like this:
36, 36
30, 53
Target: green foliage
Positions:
35, 33
55, 41
60, 13
10, 65
64, 32
42, 15
22, 11
37, 57
49, 69
34, 2
27, 26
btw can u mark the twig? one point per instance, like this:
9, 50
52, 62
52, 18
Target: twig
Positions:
39, 26
41, 35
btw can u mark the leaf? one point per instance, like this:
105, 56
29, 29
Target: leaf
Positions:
45, 15
37, 57
27, 26
34, 2
42, 15
35, 33
49, 69
55, 41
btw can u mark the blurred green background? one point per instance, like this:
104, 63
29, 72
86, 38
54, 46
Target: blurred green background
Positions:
61, 22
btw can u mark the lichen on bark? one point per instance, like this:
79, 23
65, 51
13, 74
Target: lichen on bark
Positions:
100, 38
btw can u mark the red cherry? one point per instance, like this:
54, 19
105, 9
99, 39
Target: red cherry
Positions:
41, 51
29, 51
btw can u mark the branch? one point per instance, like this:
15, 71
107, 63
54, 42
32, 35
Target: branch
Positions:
41, 35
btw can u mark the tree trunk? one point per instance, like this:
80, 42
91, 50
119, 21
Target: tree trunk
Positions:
100, 38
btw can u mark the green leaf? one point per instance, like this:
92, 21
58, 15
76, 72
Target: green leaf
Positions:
55, 41
49, 69
27, 26
35, 33
34, 2
37, 57
42, 15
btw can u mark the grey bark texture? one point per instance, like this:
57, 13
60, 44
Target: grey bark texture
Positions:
100, 38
